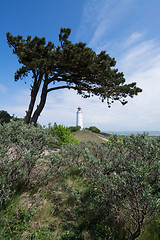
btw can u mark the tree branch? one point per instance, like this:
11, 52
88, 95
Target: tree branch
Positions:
61, 87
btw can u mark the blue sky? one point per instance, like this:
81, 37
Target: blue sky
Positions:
127, 29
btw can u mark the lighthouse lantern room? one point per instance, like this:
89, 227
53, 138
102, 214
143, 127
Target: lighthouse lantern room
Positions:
79, 118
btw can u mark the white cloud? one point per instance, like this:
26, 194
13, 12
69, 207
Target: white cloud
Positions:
94, 111
141, 57
99, 17
141, 64
133, 38
64, 111
90, 10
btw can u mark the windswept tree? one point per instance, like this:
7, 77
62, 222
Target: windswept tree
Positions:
68, 66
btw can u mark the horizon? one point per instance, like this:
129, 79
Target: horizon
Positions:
127, 30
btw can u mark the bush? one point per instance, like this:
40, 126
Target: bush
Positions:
63, 134
4, 117
74, 129
94, 129
14, 221
94, 191
21, 145
122, 185
151, 231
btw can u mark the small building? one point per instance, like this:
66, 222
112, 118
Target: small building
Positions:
79, 118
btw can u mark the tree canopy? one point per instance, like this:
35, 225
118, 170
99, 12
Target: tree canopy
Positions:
68, 66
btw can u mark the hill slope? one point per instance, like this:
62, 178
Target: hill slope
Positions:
86, 135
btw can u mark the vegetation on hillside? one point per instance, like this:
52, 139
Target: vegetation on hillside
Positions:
4, 117
85, 191
74, 129
86, 135
62, 134
94, 129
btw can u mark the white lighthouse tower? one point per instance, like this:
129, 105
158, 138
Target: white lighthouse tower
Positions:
79, 119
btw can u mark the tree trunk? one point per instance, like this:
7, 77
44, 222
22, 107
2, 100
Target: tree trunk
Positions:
34, 93
41, 104
135, 234
31, 106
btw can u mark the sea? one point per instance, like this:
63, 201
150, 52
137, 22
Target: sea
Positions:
128, 133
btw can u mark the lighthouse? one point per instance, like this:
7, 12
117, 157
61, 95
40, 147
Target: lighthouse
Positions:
79, 118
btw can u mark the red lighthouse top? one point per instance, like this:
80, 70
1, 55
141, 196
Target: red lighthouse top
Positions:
79, 108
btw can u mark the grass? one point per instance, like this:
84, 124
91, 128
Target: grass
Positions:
86, 135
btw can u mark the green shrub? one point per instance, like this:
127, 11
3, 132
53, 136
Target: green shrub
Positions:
74, 129
95, 191
122, 180
62, 133
21, 145
15, 219
42, 233
151, 231
94, 129
4, 117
